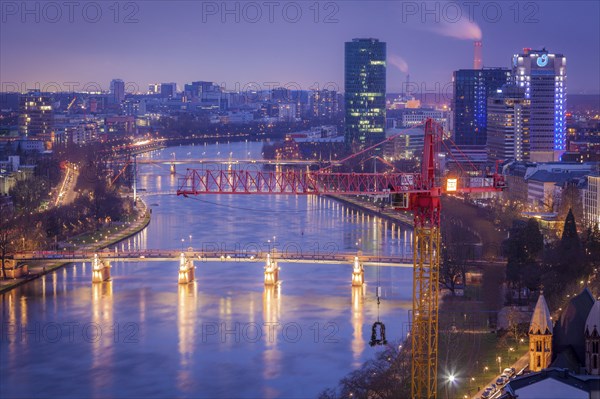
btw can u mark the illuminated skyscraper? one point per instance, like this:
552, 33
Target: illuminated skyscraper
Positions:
324, 104
36, 117
543, 76
365, 84
508, 125
472, 88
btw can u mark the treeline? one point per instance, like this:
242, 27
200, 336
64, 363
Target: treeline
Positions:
31, 227
187, 125
555, 266
30, 191
387, 376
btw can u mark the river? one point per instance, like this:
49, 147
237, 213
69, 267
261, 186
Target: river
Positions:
225, 335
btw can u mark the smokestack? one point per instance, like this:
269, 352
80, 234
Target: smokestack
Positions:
478, 57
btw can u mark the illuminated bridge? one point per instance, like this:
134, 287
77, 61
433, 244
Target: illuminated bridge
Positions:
213, 256
228, 161
101, 260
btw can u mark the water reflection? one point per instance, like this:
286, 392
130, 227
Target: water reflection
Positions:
357, 320
187, 314
271, 327
103, 333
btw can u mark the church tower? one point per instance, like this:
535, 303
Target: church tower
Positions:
540, 336
592, 340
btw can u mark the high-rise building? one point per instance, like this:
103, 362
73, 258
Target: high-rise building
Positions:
154, 88
543, 75
365, 85
591, 201
168, 90
508, 125
472, 87
324, 104
36, 116
117, 89
196, 89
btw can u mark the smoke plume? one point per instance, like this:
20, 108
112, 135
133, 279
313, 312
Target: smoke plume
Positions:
398, 62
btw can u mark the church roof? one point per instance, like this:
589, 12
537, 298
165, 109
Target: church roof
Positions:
550, 383
541, 323
569, 328
567, 359
592, 324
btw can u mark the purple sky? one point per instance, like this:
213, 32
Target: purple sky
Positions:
177, 41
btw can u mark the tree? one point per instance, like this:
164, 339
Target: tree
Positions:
522, 249
7, 223
569, 252
570, 200
385, 377
457, 251
27, 194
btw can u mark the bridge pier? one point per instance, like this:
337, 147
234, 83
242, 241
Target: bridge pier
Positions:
271, 272
358, 273
100, 270
186, 269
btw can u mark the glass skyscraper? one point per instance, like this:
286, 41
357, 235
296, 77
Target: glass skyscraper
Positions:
365, 83
472, 88
543, 76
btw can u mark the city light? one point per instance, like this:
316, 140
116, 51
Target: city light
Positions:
309, 154
451, 185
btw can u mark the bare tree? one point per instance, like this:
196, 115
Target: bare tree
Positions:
457, 251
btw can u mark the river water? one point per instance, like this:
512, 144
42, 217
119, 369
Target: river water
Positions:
225, 335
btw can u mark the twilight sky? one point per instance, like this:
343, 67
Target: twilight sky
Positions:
183, 41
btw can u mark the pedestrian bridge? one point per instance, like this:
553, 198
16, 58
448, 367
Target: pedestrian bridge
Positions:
213, 256
101, 260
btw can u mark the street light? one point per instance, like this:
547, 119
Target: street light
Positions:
450, 382
190, 241
500, 364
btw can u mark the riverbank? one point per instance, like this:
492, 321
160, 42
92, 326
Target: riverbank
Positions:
372, 209
104, 240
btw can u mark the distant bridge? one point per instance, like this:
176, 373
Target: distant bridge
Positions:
214, 256
297, 162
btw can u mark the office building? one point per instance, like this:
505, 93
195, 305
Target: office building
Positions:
543, 76
168, 90
365, 86
508, 125
324, 104
117, 91
591, 201
36, 116
472, 88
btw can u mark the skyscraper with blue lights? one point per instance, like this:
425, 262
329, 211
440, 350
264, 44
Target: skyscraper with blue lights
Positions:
472, 88
543, 76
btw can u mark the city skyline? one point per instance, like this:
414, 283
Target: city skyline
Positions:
148, 51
